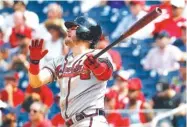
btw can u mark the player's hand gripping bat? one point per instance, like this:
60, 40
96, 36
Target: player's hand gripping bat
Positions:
134, 28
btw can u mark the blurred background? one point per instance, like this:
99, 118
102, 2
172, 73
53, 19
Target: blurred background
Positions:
148, 87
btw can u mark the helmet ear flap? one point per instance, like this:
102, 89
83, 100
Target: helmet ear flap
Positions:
83, 33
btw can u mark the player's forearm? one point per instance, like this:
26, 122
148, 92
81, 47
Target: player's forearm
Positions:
39, 77
34, 80
34, 77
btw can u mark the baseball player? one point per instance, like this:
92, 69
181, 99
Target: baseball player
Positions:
82, 78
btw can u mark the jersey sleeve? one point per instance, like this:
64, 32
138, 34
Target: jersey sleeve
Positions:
52, 65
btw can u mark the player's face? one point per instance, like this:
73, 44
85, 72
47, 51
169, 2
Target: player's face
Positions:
71, 37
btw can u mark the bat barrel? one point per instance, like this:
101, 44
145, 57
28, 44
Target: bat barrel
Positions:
134, 28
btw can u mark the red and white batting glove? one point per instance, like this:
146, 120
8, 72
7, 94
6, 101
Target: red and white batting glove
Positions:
36, 54
101, 70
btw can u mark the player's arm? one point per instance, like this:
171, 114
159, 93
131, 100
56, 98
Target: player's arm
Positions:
38, 77
43, 77
101, 67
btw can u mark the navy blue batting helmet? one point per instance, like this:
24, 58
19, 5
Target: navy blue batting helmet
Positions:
88, 29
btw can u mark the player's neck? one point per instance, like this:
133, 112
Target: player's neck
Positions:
79, 49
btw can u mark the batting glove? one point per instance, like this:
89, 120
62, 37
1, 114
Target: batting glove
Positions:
36, 54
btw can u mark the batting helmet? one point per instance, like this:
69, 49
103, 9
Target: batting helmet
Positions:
88, 29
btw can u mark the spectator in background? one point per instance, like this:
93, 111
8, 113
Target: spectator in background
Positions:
44, 93
1, 37
114, 119
4, 57
15, 58
135, 86
115, 4
9, 120
37, 116
181, 42
57, 119
55, 11
164, 57
179, 81
20, 30
11, 93
56, 44
166, 9
183, 81
31, 18
166, 98
116, 58
181, 117
137, 12
2, 107
121, 88
172, 24
19, 56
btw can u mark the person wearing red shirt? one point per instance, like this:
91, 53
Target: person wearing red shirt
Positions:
11, 93
121, 87
44, 92
165, 6
58, 121
20, 30
37, 116
172, 24
114, 119
135, 86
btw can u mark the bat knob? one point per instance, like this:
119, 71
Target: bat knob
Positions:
158, 10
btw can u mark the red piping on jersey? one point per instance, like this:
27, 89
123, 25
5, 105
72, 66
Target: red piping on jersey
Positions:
69, 83
91, 120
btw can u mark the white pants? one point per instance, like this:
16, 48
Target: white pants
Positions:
95, 121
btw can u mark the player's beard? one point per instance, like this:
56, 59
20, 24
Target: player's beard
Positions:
71, 42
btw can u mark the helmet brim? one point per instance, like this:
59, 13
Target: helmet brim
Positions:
70, 24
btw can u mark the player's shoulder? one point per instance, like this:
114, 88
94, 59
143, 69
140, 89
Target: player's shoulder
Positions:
58, 59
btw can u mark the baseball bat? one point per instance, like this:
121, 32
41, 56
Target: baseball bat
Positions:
134, 28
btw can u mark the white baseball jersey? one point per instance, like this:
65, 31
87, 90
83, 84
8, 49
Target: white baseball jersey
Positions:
78, 94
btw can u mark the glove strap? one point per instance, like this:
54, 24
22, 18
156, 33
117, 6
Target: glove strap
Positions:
34, 61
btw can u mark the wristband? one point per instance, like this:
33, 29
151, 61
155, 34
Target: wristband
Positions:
34, 61
34, 69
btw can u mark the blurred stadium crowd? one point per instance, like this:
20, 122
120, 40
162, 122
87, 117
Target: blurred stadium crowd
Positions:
150, 66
